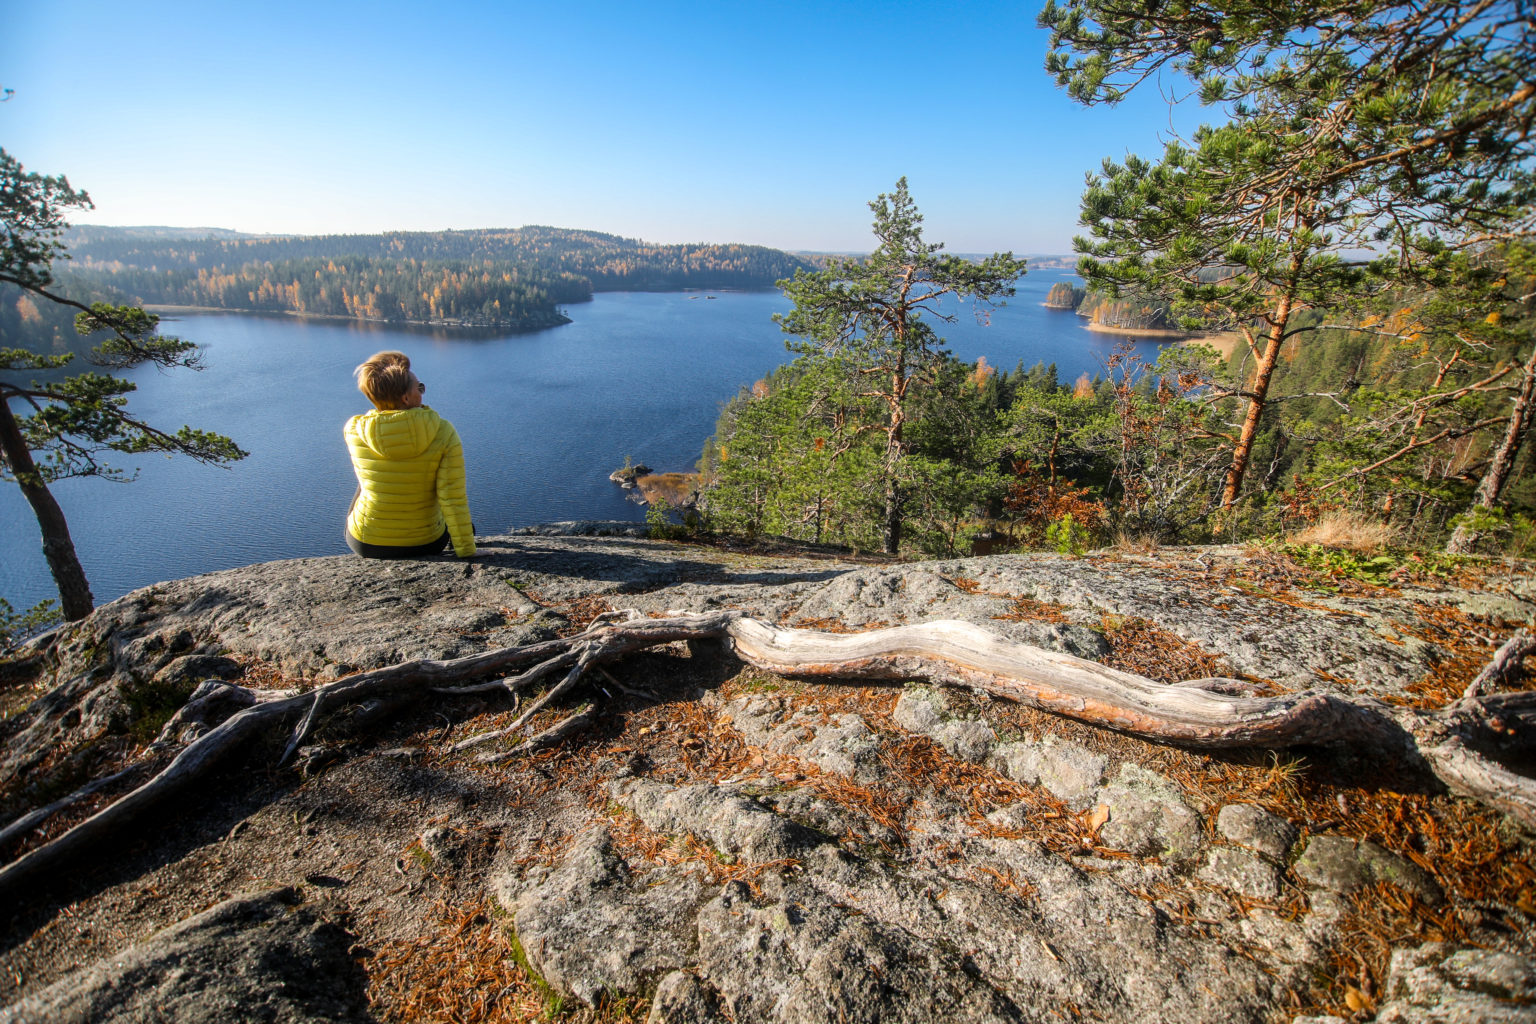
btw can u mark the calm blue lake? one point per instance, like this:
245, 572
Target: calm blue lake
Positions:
545, 417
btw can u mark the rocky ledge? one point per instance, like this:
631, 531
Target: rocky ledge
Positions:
723, 844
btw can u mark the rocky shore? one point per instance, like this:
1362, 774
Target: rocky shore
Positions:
674, 490
1139, 332
720, 843
536, 321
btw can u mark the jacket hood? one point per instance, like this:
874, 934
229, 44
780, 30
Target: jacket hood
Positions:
397, 433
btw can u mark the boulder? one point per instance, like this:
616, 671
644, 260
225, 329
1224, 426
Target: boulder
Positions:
733, 823
592, 926
1342, 865
1242, 871
841, 743
265, 959
1069, 771
925, 710
1438, 984
1257, 829
796, 957
681, 998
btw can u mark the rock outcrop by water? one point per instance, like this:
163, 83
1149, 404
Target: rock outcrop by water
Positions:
727, 845
626, 475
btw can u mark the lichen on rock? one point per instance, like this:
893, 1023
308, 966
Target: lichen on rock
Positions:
726, 844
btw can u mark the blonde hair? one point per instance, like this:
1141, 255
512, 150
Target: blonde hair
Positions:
386, 379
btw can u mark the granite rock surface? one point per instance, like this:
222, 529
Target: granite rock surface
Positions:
725, 844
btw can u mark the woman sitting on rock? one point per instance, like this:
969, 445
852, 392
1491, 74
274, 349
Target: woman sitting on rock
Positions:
410, 469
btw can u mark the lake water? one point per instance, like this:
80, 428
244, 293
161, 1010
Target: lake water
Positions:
545, 417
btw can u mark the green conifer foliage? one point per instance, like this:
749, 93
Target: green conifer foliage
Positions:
877, 314
66, 426
1402, 131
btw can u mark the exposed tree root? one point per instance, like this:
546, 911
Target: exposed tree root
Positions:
948, 653
302, 732
568, 726
33, 819
1506, 661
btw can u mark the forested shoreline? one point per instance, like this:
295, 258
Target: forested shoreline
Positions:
483, 278
608, 262
508, 279
1018, 459
457, 293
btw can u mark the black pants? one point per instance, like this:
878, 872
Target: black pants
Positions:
434, 547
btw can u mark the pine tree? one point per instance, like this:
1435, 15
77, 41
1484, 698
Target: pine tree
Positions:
1399, 129
877, 313
74, 421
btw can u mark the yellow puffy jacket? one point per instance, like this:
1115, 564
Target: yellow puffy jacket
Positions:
410, 474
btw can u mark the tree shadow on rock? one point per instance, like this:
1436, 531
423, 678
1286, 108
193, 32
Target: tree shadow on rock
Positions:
635, 569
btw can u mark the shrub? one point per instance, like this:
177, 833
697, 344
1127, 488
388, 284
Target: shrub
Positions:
1496, 531
16, 627
1067, 536
1037, 505
658, 522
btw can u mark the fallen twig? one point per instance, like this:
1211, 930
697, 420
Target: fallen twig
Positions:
583, 717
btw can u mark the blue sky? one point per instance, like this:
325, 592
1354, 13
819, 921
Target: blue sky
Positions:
766, 123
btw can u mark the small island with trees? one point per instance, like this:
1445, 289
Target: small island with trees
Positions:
1064, 295
1144, 317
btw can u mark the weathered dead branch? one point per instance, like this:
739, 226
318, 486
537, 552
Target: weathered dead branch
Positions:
1469, 773
954, 654
1506, 661
960, 654
566, 727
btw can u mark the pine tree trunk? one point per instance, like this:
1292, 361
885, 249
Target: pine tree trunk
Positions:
74, 592
1258, 395
892, 491
1464, 540
893, 453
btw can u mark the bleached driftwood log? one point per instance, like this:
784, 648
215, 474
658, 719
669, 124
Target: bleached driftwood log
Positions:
960, 654
956, 654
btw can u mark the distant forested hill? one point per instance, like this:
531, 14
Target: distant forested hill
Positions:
489, 275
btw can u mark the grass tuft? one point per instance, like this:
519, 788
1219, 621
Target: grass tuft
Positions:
1134, 543
1347, 530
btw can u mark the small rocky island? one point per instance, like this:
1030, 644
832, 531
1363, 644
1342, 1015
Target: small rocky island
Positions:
628, 475
1127, 316
672, 490
678, 831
